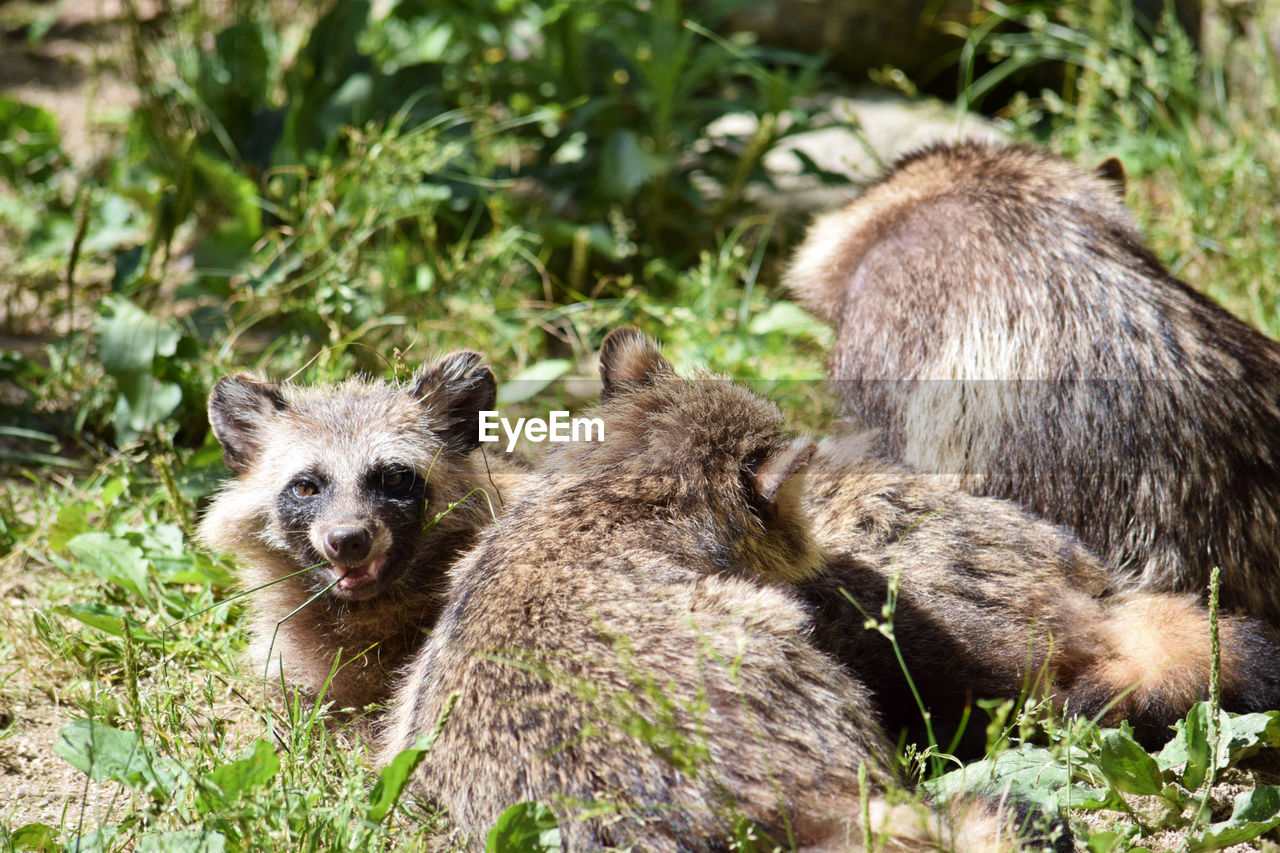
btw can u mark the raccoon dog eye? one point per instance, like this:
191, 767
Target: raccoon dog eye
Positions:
305, 489
397, 481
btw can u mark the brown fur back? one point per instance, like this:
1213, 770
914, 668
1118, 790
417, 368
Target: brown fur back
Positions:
619, 653
992, 602
999, 319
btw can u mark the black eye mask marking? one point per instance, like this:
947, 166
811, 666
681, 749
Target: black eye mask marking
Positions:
398, 495
396, 482
391, 497
298, 506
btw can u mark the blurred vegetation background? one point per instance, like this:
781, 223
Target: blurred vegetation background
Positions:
309, 189
354, 185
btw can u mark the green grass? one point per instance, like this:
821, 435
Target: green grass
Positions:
1194, 128
527, 198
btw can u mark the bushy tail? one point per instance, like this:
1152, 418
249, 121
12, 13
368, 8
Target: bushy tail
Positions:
1159, 665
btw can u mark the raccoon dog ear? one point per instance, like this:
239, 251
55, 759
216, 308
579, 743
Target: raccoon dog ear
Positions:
628, 359
238, 407
1112, 170
766, 481
455, 390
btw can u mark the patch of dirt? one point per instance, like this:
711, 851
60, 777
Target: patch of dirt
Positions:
1233, 781
41, 786
75, 70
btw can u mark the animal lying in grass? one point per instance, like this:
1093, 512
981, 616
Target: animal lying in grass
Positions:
991, 602
621, 648
349, 502
998, 318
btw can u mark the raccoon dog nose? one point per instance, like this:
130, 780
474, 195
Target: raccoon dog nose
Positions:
348, 545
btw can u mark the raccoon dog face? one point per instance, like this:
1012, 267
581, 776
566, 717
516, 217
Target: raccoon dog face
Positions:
344, 478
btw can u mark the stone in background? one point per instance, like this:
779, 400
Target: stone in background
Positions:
852, 136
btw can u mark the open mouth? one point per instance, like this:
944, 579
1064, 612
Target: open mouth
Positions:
358, 578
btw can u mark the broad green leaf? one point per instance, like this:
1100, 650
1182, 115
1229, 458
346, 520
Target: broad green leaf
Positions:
98, 841
17, 116
232, 780
791, 319
1190, 746
129, 342
625, 166
394, 777
391, 782
170, 567
1255, 812
72, 520
28, 141
1127, 766
1105, 842
115, 223
525, 828
183, 841
253, 771
112, 559
1082, 796
162, 539
532, 379
1029, 774
105, 754
1251, 733
35, 837
113, 489
144, 402
199, 570
104, 617
129, 339
1241, 736
167, 551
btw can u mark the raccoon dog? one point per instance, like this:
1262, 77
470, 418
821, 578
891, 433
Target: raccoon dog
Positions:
617, 652
991, 602
1125, 405
365, 491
